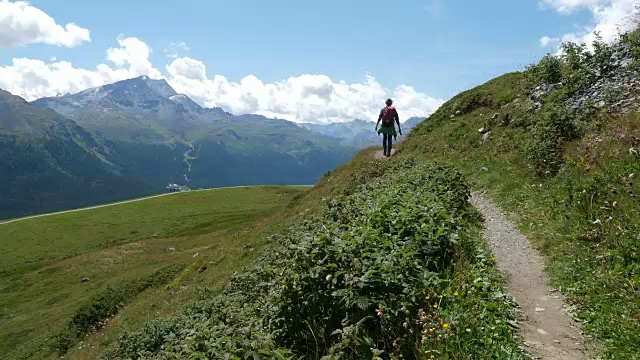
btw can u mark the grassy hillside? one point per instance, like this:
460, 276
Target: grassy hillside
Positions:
162, 248
389, 263
383, 259
563, 162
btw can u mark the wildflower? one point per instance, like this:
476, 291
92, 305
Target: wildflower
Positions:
435, 306
493, 258
445, 325
455, 293
444, 294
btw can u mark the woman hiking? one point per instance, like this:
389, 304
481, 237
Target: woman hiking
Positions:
388, 115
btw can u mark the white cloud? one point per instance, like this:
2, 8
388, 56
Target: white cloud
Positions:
546, 41
609, 18
33, 79
175, 48
569, 6
308, 98
134, 54
22, 24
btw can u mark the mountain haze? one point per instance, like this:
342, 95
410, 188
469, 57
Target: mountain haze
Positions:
357, 133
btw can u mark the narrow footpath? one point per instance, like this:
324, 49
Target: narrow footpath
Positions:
547, 329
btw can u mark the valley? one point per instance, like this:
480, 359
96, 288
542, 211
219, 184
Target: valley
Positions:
53, 266
138, 135
230, 199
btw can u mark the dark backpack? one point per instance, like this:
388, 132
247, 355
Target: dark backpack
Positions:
388, 115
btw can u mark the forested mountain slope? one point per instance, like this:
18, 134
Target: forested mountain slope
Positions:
48, 162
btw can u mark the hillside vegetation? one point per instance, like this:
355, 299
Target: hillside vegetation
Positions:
383, 259
556, 146
140, 260
391, 265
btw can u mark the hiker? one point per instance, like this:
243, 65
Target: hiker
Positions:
388, 115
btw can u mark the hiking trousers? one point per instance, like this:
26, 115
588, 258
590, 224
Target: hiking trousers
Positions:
387, 143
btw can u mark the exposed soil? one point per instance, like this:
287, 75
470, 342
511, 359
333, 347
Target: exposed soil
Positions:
547, 329
380, 154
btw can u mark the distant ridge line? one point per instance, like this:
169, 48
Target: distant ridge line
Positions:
136, 200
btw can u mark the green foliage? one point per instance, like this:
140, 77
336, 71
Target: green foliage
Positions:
545, 146
548, 70
471, 100
576, 67
632, 40
602, 53
584, 214
577, 74
106, 304
391, 269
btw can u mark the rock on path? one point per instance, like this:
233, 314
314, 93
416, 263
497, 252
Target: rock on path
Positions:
547, 329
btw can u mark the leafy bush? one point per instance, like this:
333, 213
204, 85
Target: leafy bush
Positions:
547, 71
632, 40
602, 53
544, 148
392, 269
472, 100
106, 304
577, 73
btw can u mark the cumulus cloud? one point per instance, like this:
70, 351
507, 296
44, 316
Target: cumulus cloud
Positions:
305, 98
547, 41
175, 48
22, 24
609, 18
32, 79
569, 6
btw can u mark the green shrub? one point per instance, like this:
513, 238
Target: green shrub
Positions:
632, 39
546, 142
602, 53
547, 71
393, 269
472, 100
577, 72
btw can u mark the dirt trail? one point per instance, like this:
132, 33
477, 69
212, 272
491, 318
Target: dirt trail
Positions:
549, 332
380, 154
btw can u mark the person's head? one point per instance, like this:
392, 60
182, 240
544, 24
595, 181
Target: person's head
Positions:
389, 102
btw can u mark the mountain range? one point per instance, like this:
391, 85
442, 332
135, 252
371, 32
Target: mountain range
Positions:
133, 137
357, 133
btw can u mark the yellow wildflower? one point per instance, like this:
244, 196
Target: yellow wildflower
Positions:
435, 306
455, 293
445, 325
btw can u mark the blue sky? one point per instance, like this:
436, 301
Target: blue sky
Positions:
437, 47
